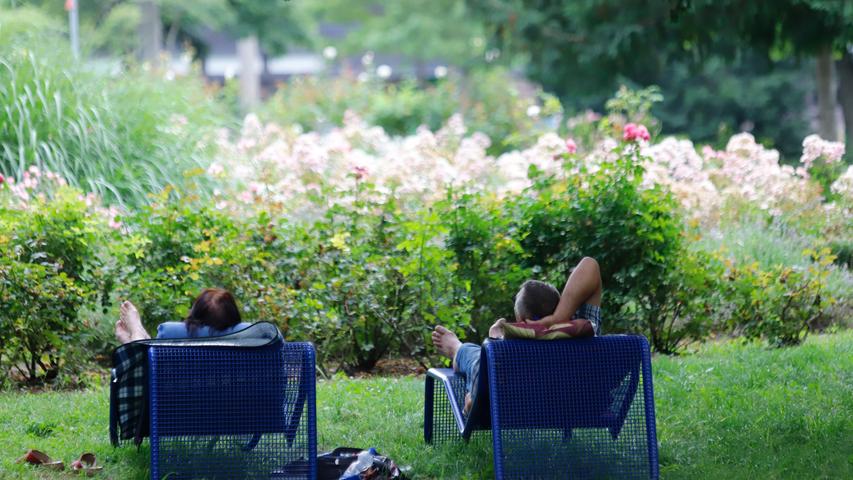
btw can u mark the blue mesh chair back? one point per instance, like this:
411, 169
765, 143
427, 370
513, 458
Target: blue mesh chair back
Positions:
220, 411
581, 408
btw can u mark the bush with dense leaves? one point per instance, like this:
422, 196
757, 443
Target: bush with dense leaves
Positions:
181, 246
682, 307
54, 263
39, 321
374, 281
603, 212
654, 284
362, 281
779, 304
483, 237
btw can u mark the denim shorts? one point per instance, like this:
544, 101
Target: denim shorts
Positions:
468, 362
468, 355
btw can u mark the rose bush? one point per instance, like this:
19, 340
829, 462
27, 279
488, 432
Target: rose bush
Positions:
302, 175
361, 241
56, 261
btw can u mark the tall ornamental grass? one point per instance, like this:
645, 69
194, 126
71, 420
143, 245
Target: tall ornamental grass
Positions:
122, 135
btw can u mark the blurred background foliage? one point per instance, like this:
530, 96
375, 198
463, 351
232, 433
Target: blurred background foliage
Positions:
719, 72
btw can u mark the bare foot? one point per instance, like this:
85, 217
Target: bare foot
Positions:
122, 332
446, 342
130, 324
497, 329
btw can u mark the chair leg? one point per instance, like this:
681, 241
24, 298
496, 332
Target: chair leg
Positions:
429, 391
252, 443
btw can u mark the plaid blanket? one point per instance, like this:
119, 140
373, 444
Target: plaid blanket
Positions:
129, 376
128, 393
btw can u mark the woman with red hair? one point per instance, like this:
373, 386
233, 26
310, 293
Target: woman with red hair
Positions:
214, 312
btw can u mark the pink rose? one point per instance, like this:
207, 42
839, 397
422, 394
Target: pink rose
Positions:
633, 132
2, 180
571, 146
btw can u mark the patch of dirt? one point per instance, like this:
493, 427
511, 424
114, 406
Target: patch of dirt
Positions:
393, 367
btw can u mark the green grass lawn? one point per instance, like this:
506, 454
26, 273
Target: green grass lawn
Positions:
729, 411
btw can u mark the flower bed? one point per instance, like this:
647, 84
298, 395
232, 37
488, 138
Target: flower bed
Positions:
361, 241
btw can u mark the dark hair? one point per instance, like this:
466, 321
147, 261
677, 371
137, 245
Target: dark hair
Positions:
214, 308
535, 300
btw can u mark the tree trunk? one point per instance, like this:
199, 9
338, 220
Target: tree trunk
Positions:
827, 127
150, 32
249, 54
172, 34
845, 92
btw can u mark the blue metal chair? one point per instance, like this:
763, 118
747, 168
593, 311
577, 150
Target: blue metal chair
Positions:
227, 411
579, 408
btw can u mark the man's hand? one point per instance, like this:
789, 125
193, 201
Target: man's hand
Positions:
579, 327
545, 321
497, 329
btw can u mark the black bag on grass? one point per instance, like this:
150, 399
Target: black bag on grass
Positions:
333, 465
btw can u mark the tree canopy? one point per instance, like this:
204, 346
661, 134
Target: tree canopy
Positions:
419, 30
112, 24
583, 49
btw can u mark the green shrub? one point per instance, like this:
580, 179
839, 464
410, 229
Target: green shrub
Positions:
481, 235
779, 303
375, 282
55, 263
492, 104
435, 291
405, 107
838, 231
635, 233
39, 321
682, 306
843, 250
589, 129
317, 103
776, 244
653, 283
182, 246
628, 105
363, 281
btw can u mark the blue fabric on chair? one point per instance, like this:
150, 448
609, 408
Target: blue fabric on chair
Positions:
173, 330
579, 408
